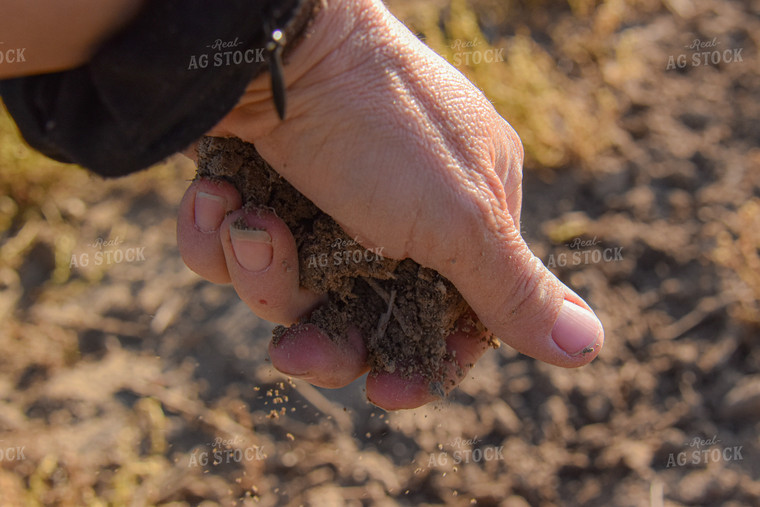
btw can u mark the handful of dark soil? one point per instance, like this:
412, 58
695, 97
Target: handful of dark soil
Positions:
403, 310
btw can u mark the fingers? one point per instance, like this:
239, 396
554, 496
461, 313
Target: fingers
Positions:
523, 303
262, 261
255, 250
393, 392
201, 213
307, 353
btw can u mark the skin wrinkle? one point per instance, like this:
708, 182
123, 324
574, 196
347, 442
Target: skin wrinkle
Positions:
512, 184
514, 207
507, 239
408, 244
452, 129
464, 247
528, 292
376, 199
487, 187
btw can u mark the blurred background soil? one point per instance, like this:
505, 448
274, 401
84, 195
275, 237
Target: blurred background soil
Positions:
127, 380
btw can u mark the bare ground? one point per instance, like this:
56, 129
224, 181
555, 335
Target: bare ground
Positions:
133, 382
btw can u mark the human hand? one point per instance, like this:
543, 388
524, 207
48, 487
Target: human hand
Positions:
406, 154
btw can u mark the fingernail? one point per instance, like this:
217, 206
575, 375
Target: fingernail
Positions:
576, 329
209, 211
253, 248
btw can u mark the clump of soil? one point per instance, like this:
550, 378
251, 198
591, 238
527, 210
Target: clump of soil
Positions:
403, 310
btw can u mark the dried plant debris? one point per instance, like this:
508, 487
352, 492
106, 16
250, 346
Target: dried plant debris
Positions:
403, 310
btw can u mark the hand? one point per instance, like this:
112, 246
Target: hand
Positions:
405, 153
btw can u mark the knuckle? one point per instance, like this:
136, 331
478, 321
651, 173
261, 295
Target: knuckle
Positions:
526, 293
516, 145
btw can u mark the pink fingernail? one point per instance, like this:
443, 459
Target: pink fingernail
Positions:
253, 248
209, 211
576, 329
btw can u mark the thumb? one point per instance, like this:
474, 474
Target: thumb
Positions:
523, 303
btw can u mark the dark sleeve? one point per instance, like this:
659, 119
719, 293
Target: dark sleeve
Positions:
145, 93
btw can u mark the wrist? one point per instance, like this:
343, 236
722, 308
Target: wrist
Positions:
338, 23
341, 37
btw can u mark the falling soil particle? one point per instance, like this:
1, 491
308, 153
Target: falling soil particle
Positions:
403, 310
